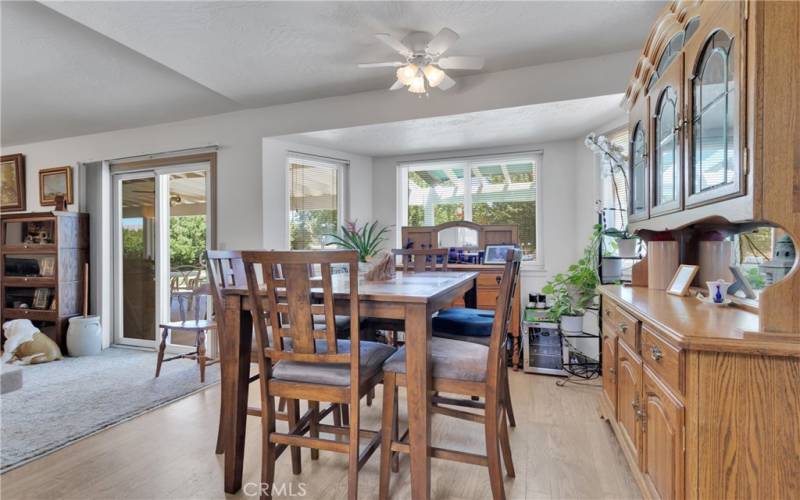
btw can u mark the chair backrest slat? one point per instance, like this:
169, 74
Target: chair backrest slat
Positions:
502, 316
225, 270
294, 296
423, 259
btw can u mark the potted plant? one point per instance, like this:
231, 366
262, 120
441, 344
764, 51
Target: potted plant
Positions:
574, 291
366, 240
625, 242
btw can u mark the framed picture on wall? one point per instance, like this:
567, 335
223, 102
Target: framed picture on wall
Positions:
54, 182
12, 183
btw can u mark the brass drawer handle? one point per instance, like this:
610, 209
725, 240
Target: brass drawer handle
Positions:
656, 353
623, 327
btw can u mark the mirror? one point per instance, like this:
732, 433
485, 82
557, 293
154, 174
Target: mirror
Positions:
458, 237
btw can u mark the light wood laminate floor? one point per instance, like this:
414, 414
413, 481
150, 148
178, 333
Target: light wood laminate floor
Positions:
561, 449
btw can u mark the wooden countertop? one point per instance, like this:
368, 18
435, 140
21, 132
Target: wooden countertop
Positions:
690, 324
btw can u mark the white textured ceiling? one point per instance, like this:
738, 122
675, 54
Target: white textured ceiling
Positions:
534, 124
79, 67
60, 78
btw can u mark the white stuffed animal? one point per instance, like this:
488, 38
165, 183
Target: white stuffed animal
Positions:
27, 344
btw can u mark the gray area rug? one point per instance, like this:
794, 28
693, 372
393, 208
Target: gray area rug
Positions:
69, 399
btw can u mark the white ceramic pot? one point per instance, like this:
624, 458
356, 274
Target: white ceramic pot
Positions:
572, 324
84, 336
612, 270
627, 248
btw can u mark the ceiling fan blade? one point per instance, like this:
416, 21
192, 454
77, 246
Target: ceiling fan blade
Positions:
394, 43
397, 85
442, 41
461, 62
392, 64
447, 83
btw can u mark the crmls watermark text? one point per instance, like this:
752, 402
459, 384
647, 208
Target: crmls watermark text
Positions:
277, 489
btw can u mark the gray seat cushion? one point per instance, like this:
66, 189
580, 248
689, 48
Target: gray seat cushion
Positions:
464, 338
373, 355
453, 359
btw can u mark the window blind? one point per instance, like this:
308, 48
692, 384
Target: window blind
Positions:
613, 198
313, 202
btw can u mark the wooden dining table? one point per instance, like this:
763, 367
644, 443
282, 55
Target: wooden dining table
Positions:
412, 297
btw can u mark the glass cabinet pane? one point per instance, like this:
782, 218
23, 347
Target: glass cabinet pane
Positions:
638, 171
666, 149
714, 159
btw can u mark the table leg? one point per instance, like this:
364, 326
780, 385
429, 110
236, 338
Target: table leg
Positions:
471, 297
235, 375
418, 358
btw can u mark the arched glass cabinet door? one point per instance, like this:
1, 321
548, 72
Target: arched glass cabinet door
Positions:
714, 170
666, 158
638, 209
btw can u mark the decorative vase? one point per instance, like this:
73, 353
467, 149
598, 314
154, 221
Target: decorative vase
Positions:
572, 324
627, 248
84, 336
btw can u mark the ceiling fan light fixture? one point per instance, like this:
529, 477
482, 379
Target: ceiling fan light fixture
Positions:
417, 85
406, 74
434, 75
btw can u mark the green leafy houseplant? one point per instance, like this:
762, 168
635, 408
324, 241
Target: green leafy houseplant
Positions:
366, 240
574, 291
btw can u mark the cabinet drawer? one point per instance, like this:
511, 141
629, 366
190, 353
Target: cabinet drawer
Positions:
487, 298
662, 358
489, 280
622, 324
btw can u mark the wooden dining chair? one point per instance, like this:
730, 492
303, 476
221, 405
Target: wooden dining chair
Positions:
423, 259
318, 367
414, 260
468, 369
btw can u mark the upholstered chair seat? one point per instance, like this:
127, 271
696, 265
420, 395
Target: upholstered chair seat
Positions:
373, 354
450, 359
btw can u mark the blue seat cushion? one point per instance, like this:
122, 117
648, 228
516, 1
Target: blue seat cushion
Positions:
463, 321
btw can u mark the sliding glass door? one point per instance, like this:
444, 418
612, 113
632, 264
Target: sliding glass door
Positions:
162, 221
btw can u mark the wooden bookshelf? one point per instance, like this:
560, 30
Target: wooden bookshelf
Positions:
43, 257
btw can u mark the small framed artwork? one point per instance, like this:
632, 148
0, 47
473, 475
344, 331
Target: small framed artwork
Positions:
741, 282
41, 297
496, 254
54, 182
682, 280
47, 266
12, 183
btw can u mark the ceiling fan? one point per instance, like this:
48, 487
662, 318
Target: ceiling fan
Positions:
424, 63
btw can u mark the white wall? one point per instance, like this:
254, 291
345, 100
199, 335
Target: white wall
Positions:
558, 202
240, 134
251, 186
275, 151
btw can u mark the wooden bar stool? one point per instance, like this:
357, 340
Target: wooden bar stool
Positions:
468, 369
318, 366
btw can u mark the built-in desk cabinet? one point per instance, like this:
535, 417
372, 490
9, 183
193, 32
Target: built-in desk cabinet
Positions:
700, 407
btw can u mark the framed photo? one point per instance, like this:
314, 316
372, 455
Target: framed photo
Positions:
54, 182
47, 266
682, 280
496, 254
740, 282
12, 183
41, 297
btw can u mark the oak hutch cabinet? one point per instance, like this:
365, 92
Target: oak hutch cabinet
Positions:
704, 400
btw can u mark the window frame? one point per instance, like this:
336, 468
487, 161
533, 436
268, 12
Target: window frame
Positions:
339, 166
467, 163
